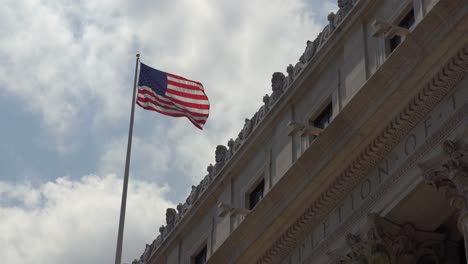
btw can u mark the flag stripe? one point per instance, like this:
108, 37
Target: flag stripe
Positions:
161, 111
183, 103
190, 107
164, 111
187, 95
188, 101
156, 104
183, 80
186, 85
184, 90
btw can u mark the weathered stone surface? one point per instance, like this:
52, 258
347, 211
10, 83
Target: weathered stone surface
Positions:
389, 243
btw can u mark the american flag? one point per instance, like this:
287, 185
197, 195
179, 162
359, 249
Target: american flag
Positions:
172, 95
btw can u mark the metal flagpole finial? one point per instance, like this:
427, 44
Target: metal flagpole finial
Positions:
138, 55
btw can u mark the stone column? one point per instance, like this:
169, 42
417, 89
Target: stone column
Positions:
450, 177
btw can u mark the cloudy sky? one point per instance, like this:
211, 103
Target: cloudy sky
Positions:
66, 76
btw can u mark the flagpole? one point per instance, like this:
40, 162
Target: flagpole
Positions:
118, 253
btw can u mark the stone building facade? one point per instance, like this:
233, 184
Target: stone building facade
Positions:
359, 154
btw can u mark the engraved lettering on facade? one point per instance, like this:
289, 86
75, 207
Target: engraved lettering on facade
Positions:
339, 213
454, 101
410, 144
366, 189
382, 171
325, 225
427, 125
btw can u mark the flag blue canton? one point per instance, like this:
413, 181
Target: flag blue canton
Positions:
152, 78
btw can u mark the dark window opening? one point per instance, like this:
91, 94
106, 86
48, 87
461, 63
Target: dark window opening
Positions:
256, 195
407, 22
462, 251
324, 118
394, 42
200, 258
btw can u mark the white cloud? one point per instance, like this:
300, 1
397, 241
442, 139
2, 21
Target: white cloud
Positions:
73, 61
75, 221
149, 158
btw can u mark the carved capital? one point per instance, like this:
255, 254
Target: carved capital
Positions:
383, 241
450, 173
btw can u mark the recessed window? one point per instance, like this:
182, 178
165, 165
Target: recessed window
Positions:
324, 118
256, 195
406, 22
200, 258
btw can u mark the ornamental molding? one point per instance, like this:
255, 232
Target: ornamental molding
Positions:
430, 95
450, 175
386, 242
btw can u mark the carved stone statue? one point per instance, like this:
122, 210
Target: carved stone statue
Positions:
220, 153
345, 6
146, 253
277, 85
266, 102
247, 128
192, 196
162, 231
209, 169
291, 76
344, 3
262, 110
171, 218
181, 210
238, 142
231, 149
157, 242
298, 68
331, 20
220, 156
204, 183
308, 53
208, 178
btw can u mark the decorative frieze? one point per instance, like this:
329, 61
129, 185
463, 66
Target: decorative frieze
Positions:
450, 176
385, 242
